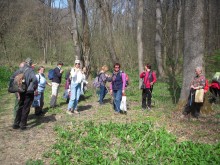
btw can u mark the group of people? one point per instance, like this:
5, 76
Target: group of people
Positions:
75, 83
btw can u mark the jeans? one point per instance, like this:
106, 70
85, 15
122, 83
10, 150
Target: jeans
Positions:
39, 109
103, 92
25, 102
146, 95
117, 94
75, 89
55, 88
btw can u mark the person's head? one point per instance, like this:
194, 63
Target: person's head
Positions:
21, 64
41, 69
60, 64
29, 61
147, 66
104, 68
198, 70
77, 63
117, 67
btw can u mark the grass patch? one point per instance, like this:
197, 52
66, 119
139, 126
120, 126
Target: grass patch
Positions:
137, 143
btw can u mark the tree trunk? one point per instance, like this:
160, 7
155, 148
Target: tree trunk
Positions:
194, 44
86, 38
158, 39
139, 37
74, 29
107, 16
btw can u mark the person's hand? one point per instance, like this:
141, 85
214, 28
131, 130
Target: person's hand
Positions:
61, 71
35, 93
123, 92
110, 92
151, 83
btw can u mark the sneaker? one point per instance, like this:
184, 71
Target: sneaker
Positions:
69, 112
149, 108
116, 113
75, 111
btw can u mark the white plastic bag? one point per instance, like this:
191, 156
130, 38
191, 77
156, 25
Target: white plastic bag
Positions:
123, 105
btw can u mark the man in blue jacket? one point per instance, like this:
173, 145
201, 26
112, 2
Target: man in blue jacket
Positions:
56, 81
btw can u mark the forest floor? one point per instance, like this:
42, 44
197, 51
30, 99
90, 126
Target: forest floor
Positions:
17, 147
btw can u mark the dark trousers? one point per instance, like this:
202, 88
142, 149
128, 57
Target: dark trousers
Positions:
146, 95
191, 106
103, 92
25, 102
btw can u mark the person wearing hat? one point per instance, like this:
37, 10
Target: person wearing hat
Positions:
76, 77
56, 81
27, 97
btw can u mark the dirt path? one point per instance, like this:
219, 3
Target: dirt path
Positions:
18, 146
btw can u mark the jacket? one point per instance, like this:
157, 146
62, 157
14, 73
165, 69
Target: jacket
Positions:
148, 78
57, 75
30, 79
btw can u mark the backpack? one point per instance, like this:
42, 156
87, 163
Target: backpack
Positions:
206, 88
96, 83
51, 74
17, 82
126, 78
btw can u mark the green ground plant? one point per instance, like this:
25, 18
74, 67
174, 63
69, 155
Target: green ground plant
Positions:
138, 143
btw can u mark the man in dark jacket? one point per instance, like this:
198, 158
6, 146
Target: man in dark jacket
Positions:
56, 83
27, 97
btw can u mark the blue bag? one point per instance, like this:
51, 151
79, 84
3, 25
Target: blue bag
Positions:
51, 74
36, 102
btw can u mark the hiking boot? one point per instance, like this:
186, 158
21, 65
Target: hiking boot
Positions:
23, 128
15, 126
149, 108
116, 113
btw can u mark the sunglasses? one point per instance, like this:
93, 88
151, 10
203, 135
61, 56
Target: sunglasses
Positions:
77, 63
116, 66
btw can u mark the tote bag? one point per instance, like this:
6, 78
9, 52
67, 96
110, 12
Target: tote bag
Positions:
123, 105
199, 96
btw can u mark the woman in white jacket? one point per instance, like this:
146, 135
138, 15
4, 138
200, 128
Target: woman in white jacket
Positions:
75, 87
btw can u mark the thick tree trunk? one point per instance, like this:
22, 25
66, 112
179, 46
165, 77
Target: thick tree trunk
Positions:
194, 44
158, 39
74, 29
139, 37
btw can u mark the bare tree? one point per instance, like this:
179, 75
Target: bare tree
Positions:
74, 29
158, 39
85, 37
139, 36
107, 16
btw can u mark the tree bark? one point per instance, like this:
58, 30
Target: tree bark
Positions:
139, 37
74, 29
158, 39
107, 16
194, 43
86, 37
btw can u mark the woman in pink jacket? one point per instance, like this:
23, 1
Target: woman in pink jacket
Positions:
149, 78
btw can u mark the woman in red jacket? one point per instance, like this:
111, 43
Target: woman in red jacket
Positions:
149, 78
